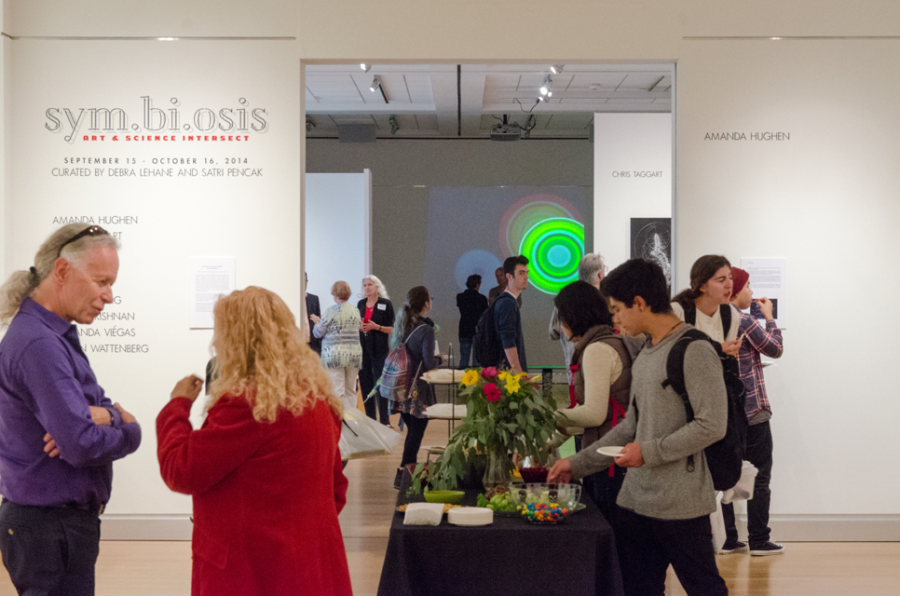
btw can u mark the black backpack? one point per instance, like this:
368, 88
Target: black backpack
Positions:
725, 457
486, 343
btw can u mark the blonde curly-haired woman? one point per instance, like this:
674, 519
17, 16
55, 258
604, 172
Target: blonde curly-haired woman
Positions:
264, 469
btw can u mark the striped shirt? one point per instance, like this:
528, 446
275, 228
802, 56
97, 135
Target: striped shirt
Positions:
758, 340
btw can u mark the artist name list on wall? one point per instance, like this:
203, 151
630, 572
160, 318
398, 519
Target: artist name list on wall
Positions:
115, 330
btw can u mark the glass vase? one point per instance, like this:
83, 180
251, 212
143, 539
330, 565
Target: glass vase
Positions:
498, 470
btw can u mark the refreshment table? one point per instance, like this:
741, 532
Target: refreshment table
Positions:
576, 558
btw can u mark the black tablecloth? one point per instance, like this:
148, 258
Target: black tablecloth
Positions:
510, 556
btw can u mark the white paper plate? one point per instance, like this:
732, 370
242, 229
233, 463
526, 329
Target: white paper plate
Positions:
446, 411
443, 376
610, 451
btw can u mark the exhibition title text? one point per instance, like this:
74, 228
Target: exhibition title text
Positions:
226, 123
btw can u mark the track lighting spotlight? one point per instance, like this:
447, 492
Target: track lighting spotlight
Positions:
365, 67
310, 124
557, 68
376, 83
394, 126
545, 86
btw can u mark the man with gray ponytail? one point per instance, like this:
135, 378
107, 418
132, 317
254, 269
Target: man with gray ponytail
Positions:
59, 433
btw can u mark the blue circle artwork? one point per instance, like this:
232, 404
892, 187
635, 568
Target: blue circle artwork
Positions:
480, 262
558, 256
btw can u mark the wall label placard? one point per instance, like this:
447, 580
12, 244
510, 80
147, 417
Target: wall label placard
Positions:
768, 278
211, 279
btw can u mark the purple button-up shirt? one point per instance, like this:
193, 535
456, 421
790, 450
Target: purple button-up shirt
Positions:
46, 386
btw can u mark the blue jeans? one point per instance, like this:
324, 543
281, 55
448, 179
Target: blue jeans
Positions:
465, 350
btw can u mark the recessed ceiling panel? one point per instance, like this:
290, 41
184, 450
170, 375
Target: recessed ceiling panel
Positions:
425, 99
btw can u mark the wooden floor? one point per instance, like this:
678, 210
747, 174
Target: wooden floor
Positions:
820, 569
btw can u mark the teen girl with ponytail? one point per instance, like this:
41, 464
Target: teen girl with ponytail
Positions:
416, 330
706, 304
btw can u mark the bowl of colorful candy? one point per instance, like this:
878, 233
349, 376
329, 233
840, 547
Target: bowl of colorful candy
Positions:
544, 514
543, 493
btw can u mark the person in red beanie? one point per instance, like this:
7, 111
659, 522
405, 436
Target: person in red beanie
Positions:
758, 340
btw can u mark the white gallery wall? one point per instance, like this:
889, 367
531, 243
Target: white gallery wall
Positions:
161, 144
796, 166
632, 178
338, 232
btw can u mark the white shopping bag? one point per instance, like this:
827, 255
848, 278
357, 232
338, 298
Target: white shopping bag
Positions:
743, 490
363, 437
718, 525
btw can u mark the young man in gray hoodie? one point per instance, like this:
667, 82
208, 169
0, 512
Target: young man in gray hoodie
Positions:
665, 503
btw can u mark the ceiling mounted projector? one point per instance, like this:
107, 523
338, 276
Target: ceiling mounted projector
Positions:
508, 131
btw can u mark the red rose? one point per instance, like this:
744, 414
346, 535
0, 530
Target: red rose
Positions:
490, 371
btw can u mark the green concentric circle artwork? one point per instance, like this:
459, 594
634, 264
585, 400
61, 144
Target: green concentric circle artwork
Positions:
554, 248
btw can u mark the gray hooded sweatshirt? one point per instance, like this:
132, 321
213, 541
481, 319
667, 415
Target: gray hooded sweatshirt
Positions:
663, 487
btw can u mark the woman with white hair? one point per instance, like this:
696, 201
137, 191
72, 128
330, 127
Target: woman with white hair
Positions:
377, 314
591, 269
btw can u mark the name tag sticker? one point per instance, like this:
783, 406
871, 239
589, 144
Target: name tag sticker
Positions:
382, 307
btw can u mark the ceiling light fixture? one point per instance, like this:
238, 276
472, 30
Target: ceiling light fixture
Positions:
557, 68
310, 124
365, 67
394, 126
545, 86
376, 84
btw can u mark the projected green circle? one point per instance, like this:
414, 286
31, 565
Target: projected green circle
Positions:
554, 248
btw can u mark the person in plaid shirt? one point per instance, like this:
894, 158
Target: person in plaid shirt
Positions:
767, 341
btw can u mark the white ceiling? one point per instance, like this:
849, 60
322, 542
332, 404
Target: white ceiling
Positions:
424, 99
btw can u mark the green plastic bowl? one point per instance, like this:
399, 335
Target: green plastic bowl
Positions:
454, 497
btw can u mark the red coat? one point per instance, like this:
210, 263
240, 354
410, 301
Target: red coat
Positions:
266, 498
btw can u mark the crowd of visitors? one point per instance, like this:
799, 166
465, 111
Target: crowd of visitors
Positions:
273, 418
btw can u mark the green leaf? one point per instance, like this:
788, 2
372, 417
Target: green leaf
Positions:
513, 405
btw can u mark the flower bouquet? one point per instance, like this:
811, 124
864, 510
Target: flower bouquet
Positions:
505, 414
